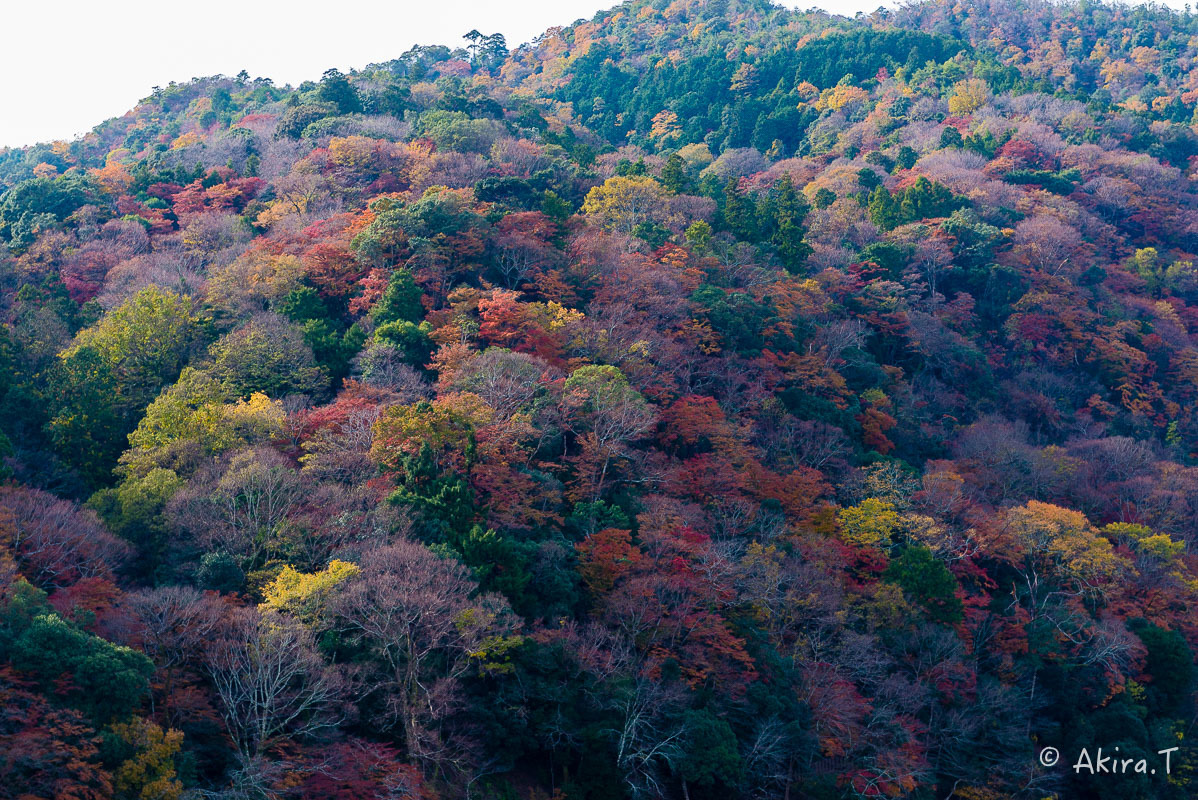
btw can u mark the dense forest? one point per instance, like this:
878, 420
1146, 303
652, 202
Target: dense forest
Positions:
704, 401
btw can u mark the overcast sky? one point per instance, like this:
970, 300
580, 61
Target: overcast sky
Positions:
69, 65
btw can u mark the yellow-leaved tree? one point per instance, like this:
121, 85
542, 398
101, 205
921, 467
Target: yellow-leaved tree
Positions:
870, 523
148, 774
968, 96
621, 203
306, 595
195, 418
1059, 550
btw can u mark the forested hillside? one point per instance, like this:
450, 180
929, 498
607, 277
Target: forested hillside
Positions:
703, 401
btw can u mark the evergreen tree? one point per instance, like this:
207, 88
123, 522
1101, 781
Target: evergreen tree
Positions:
785, 210
442, 502
951, 137
335, 88
673, 175
739, 213
400, 300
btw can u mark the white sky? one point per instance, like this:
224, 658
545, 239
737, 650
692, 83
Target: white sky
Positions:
71, 64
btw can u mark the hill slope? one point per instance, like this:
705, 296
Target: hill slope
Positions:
703, 400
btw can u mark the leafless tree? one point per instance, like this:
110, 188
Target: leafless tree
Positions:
791, 442
648, 740
54, 541
384, 366
767, 760
215, 238
272, 682
415, 613
507, 381
1047, 244
522, 249
174, 622
339, 520
173, 625
737, 162
241, 507
341, 452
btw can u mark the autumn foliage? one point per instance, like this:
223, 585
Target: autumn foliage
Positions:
705, 400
